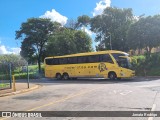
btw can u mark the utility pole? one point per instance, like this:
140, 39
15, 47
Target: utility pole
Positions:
10, 74
27, 75
110, 41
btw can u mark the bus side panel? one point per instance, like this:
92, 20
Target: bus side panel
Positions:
105, 68
80, 70
49, 71
69, 69
94, 70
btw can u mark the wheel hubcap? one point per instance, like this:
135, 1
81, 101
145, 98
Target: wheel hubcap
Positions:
65, 77
111, 76
58, 76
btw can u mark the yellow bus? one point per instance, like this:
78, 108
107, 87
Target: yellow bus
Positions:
102, 64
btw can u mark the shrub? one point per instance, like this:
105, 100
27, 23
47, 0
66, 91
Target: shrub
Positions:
24, 76
148, 66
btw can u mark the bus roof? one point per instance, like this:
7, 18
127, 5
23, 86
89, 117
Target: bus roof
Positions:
89, 53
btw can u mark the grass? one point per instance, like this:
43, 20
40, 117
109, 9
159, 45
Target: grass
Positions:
3, 85
20, 74
32, 75
33, 72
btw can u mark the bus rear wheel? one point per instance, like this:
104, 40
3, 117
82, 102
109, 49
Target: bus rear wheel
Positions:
58, 76
112, 75
65, 76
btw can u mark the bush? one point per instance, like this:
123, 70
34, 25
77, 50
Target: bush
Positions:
24, 76
5, 77
33, 72
148, 66
137, 61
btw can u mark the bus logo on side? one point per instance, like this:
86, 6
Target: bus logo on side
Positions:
102, 67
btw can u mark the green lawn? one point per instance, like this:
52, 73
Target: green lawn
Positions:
33, 72
3, 85
20, 74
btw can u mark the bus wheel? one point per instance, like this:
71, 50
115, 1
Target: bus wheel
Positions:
58, 76
112, 75
65, 76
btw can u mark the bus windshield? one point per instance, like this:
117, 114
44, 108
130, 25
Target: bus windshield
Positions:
122, 60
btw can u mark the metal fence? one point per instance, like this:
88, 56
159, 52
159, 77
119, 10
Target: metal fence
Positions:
5, 76
20, 71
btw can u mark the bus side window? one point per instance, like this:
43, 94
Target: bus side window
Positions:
63, 60
55, 61
49, 61
93, 59
82, 59
106, 58
72, 60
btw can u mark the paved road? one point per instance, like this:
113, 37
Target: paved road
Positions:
139, 94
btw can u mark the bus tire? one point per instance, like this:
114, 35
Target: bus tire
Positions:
58, 76
65, 76
112, 75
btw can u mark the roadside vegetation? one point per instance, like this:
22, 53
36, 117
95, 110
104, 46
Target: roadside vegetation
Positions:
3, 85
21, 72
18, 66
145, 66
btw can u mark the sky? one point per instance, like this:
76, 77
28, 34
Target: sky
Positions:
14, 12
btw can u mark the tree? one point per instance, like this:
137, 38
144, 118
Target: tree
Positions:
68, 41
83, 21
71, 23
61, 43
144, 34
114, 23
83, 41
35, 33
27, 50
15, 60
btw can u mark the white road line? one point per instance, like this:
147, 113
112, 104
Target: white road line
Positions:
149, 86
153, 109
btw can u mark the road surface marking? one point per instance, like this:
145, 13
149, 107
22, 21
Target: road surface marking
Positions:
125, 92
153, 109
65, 98
149, 86
61, 100
121, 92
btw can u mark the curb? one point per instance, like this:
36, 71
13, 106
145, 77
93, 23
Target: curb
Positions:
153, 76
149, 76
21, 91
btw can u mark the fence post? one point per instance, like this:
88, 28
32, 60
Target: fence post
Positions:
27, 75
14, 85
10, 74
